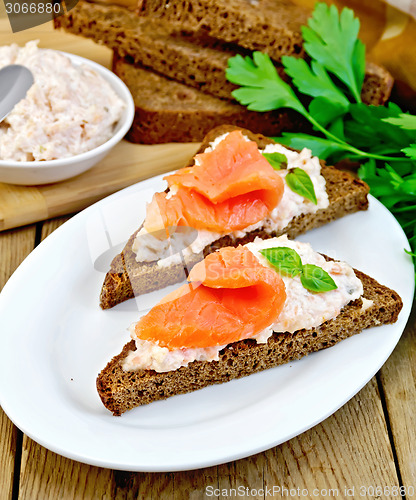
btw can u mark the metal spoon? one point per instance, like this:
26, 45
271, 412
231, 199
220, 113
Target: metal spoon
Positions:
15, 81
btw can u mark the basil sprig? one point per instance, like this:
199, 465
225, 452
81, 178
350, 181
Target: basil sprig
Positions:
299, 181
276, 160
288, 263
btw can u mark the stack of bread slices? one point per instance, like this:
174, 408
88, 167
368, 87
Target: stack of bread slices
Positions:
173, 54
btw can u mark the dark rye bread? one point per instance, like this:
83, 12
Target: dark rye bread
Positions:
121, 391
168, 111
196, 61
266, 25
128, 278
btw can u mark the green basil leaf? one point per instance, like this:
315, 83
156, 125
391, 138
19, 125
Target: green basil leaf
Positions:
315, 279
286, 261
300, 182
276, 160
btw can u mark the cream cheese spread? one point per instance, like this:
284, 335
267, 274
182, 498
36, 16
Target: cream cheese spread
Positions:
291, 205
68, 110
302, 309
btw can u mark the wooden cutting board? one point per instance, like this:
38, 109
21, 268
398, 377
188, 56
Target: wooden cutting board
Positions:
126, 164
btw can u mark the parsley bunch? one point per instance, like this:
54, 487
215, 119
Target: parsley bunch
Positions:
381, 138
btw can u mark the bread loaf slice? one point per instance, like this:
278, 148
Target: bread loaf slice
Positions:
128, 278
265, 25
168, 111
122, 390
196, 60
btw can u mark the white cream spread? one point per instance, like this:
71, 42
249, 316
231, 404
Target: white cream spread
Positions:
68, 110
150, 356
302, 309
367, 303
291, 205
305, 309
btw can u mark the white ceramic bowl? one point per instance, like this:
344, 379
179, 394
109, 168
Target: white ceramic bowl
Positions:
30, 173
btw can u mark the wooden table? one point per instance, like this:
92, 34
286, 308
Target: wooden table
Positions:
370, 442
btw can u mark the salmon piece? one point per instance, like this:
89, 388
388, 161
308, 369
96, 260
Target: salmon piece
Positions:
234, 167
189, 208
231, 297
227, 189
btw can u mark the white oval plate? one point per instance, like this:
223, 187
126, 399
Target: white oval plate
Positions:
55, 339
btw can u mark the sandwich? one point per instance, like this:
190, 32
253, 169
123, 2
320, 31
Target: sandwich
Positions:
192, 49
228, 195
244, 309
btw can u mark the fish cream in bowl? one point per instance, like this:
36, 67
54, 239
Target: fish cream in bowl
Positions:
71, 117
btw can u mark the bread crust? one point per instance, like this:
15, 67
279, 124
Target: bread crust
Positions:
121, 391
128, 278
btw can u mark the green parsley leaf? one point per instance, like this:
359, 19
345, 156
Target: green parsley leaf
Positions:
387, 185
318, 145
299, 181
404, 120
262, 88
314, 80
337, 127
332, 41
315, 279
286, 260
324, 111
276, 160
410, 151
369, 129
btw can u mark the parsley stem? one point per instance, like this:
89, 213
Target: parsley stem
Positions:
347, 146
405, 224
405, 209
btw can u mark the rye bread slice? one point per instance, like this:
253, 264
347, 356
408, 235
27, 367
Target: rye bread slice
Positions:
195, 59
169, 111
128, 278
121, 391
264, 25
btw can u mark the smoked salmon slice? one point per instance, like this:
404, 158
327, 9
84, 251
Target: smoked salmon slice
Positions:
231, 297
227, 189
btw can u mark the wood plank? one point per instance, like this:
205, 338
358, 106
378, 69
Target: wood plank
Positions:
243, 474
126, 164
14, 247
350, 449
398, 379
